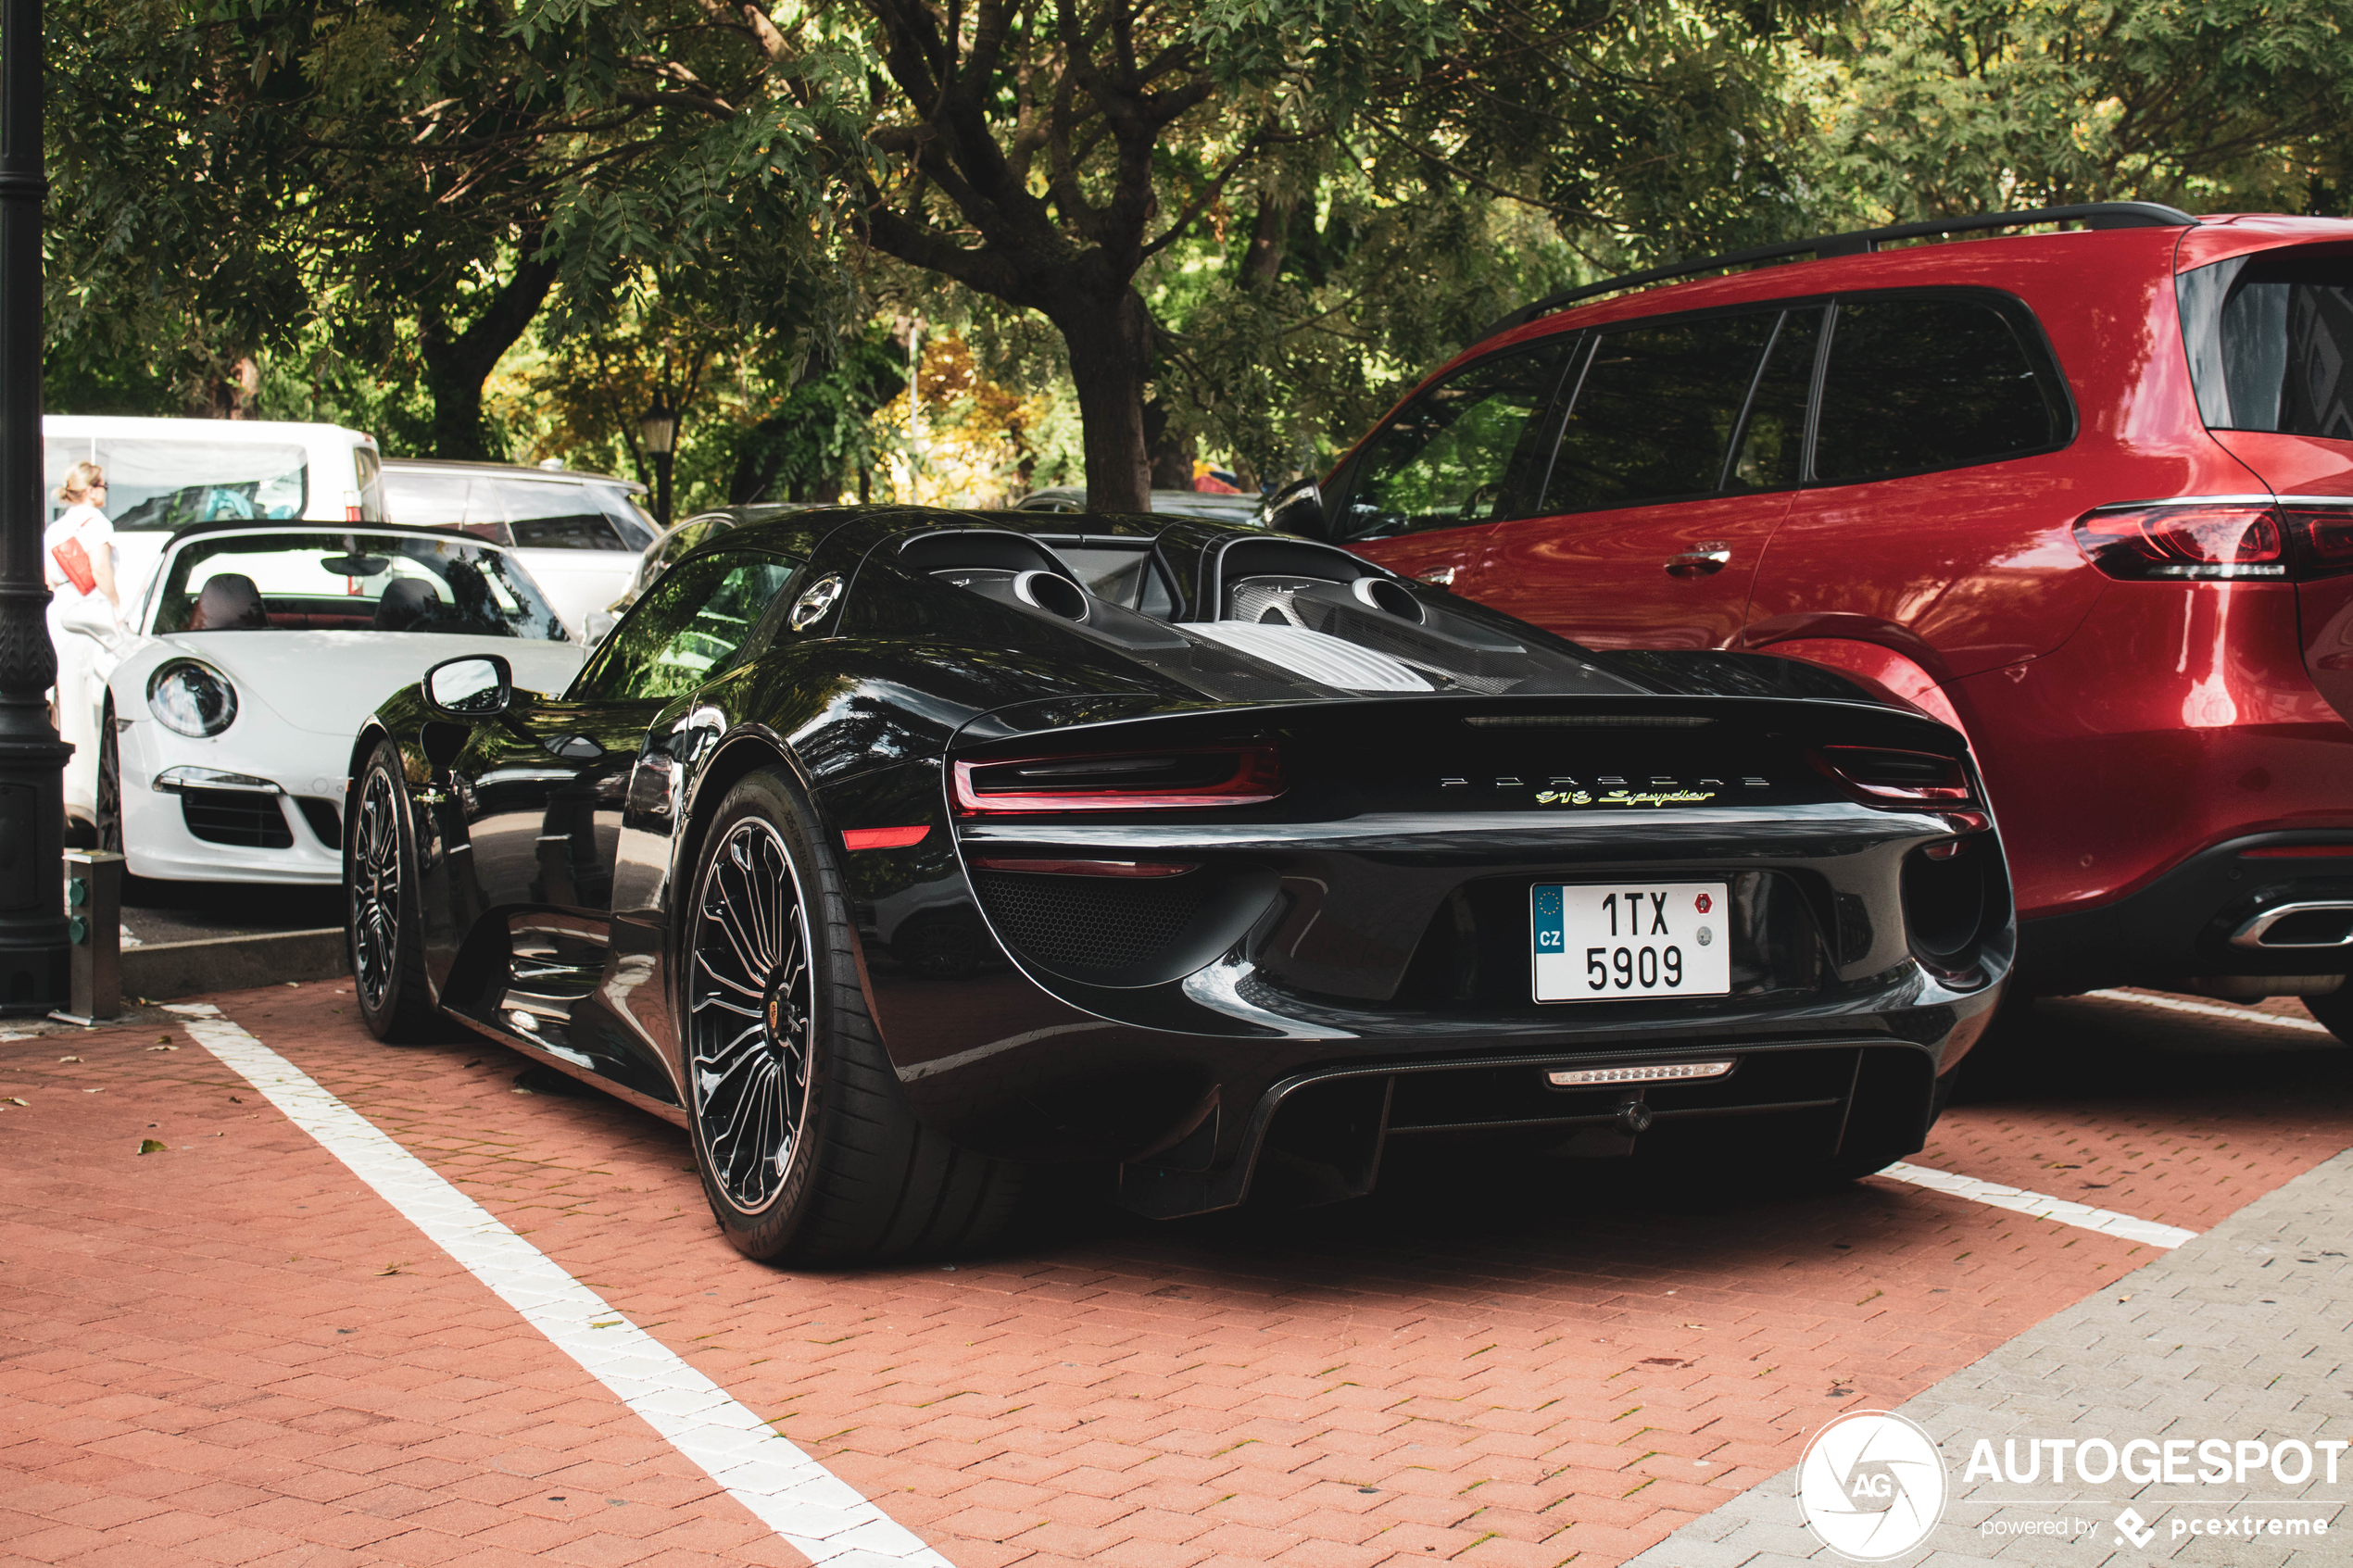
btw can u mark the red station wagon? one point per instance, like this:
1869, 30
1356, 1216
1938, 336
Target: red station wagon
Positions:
2086, 495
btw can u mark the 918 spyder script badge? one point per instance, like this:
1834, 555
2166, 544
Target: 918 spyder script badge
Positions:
1608, 789
1623, 796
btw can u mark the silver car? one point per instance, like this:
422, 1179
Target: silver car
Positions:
580, 535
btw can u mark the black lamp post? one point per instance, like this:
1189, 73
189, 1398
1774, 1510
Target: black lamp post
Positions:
657, 428
34, 947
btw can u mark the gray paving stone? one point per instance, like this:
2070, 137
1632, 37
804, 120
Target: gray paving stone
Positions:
2229, 1336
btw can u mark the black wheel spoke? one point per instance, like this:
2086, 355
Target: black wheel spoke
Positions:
748, 1006
375, 888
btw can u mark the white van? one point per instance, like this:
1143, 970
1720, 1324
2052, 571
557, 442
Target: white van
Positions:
164, 474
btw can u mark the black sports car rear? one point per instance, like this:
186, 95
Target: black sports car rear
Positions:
901, 855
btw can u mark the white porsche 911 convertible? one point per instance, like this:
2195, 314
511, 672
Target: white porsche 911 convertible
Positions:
229, 711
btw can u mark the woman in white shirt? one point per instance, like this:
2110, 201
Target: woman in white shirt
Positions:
85, 613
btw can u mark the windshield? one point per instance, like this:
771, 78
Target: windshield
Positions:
347, 581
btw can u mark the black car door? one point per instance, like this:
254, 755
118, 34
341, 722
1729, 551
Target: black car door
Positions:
534, 810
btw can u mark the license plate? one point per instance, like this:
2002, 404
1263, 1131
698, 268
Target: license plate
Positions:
1596, 942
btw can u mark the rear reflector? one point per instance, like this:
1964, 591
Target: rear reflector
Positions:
1194, 777
2294, 851
884, 838
1884, 776
1085, 867
1578, 1077
2218, 541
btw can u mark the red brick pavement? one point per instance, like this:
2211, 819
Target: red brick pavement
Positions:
229, 1351
1501, 1370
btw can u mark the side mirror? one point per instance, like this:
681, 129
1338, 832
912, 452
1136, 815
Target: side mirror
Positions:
596, 626
1298, 509
477, 686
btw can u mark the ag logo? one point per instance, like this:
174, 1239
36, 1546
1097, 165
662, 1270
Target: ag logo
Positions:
1871, 1485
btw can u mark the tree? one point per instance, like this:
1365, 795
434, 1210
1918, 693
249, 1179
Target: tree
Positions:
1940, 106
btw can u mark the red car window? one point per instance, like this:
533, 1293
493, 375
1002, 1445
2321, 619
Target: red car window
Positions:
1654, 411
1927, 382
1467, 450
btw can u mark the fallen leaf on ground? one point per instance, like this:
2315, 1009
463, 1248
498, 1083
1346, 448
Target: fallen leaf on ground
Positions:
69, 1059
14, 1100
151, 1145
388, 1269
163, 1047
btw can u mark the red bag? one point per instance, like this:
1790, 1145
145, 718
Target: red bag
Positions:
74, 562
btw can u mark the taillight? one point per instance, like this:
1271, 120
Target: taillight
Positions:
2217, 540
1883, 776
2323, 539
1196, 777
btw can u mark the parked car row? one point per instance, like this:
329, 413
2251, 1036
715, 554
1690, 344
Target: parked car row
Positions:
1594, 769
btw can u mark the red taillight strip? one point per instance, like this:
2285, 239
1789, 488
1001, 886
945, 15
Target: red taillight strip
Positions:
2294, 851
1257, 778
1828, 761
883, 838
1085, 867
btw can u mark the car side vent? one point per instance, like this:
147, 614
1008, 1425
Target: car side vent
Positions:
325, 821
245, 817
1104, 929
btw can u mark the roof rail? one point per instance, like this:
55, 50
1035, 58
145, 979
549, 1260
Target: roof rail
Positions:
1862, 241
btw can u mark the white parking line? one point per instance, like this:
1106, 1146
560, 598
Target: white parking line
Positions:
2210, 1010
2125, 1227
816, 1511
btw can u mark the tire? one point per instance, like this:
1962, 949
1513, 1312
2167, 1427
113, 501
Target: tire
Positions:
109, 807
2335, 1012
383, 935
808, 1153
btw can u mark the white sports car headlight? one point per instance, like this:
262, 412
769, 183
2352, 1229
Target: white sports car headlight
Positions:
192, 698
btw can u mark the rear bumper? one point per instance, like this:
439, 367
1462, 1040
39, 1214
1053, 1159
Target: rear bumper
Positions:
1319, 1135
2182, 924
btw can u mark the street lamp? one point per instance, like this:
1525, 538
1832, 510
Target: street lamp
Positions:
33, 943
658, 430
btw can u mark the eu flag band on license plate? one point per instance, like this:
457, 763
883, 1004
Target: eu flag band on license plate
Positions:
1591, 942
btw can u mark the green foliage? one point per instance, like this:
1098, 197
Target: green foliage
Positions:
1934, 108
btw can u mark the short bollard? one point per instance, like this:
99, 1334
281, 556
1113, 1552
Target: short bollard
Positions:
94, 920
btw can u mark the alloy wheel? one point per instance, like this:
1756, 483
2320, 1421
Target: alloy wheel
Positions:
749, 1006
375, 889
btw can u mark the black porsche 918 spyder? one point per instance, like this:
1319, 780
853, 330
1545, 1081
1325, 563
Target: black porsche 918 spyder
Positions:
904, 854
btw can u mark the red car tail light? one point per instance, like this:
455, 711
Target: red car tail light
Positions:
2209, 543
1195, 777
2323, 540
1882, 776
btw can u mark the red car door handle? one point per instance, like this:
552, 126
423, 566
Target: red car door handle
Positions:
1699, 562
1441, 575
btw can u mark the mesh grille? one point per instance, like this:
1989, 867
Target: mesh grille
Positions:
1086, 923
247, 818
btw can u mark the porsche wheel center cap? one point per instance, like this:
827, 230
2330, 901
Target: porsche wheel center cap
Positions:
775, 1014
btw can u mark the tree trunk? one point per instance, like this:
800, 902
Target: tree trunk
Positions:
457, 365
1269, 237
1110, 352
